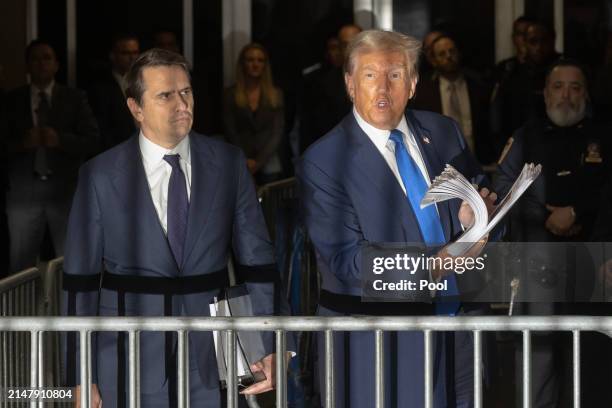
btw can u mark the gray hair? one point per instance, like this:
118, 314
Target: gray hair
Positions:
388, 41
154, 57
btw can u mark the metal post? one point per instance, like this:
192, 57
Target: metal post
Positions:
526, 369
330, 401
5, 337
183, 369
34, 362
477, 369
379, 369
576, 368
41, 363
281, 369
232, 389
71, 41
428, 369
134, 352
85, 344
188, 30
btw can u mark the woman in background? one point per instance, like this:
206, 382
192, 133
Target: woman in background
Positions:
253, 114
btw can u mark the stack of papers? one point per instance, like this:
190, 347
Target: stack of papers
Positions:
452, 184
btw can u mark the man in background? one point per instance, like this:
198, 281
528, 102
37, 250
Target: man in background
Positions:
50, 130
457, 93
107, 96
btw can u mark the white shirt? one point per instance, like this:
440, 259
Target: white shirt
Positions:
35, 99
465, 121
158, 172
386, 147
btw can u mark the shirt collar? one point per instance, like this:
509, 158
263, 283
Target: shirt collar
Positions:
380, 137
121, 81
446, 83
48, 90
153, 154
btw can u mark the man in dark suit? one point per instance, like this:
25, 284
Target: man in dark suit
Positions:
50, 130
457, 93
324, 101
107, 96
361, 184
152, 226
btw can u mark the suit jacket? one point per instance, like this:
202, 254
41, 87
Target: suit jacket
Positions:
428, 97
73, 120
114, 230
110, 107
351, 198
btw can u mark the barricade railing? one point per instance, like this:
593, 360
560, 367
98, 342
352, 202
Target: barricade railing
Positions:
281, 325
18, 297
274, 196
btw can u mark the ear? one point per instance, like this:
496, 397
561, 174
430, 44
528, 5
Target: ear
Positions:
350, 86
412, 84
135, 109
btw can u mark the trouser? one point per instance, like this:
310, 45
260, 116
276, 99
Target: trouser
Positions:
29, 213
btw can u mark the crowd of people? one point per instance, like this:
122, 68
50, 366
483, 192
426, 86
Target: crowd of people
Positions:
537, 106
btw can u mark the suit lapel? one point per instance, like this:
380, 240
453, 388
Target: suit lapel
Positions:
132, 187
438, 95
372, 169
56, 102
433, 164
205, 174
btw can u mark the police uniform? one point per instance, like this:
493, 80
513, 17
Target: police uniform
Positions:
575, 166
573, 172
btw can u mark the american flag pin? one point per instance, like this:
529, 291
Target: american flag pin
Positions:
426, 139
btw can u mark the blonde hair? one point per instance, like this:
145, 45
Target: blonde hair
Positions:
388, 41
269, 94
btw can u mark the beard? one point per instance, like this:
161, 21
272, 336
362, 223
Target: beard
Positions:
566, 114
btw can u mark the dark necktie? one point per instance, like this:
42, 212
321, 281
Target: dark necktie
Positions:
178, 208
428, 219
41, 166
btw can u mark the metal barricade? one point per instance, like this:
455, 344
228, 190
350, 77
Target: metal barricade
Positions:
280, 206
280, 325
274, 197
19, 294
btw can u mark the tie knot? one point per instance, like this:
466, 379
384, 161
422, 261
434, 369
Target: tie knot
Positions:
396, 136
42, 95
173, 160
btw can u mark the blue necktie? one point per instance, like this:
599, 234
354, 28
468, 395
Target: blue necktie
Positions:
178, 208
428, 219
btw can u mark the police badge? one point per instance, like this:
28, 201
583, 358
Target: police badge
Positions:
593, 153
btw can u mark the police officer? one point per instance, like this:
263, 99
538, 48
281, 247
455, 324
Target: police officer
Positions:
561, 205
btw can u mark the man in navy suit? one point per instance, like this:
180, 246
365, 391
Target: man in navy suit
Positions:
152, 226
358, 189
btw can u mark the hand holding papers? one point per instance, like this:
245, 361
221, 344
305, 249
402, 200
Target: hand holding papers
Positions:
452, 184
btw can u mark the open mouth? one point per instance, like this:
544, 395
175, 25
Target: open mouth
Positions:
382, 104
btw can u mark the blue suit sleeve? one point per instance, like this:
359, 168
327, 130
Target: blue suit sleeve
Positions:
254, 250
82, 268
332, 223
